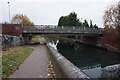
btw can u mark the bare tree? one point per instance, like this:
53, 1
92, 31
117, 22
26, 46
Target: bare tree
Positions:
112, 16
112, 19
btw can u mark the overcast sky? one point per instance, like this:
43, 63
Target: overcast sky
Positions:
48, 12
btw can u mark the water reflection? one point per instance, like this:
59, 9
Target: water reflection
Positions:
96, 63
54, 44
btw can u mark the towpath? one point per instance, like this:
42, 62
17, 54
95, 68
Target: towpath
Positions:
35, 66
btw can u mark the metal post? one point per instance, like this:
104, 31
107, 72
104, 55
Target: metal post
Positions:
9, 11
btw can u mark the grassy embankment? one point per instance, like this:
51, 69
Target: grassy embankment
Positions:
38, 39
114, 46
12, 58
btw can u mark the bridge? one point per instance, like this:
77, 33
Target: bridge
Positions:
84, 34
62, 30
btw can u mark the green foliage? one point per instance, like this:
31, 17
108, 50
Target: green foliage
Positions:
12, 61
63, 21
95, 26
85, 23
91, 25
72, 20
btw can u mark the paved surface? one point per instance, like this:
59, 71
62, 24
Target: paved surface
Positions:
35, 66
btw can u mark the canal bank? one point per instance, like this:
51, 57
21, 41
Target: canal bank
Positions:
112, 48
63, 67
106, 47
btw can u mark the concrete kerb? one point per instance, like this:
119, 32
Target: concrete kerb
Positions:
68, 68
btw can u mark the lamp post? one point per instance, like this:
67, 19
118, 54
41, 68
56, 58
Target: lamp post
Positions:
9, 10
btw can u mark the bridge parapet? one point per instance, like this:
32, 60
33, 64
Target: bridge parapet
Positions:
60, 29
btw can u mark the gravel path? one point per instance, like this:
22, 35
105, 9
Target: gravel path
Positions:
35, 66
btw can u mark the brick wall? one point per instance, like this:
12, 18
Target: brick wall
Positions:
12, 29
109, 38
89, 39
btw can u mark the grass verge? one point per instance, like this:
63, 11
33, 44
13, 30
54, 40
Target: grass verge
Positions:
12, 58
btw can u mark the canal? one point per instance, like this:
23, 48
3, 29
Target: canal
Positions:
94, 62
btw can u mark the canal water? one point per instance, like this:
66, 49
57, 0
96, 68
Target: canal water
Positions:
94, 62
